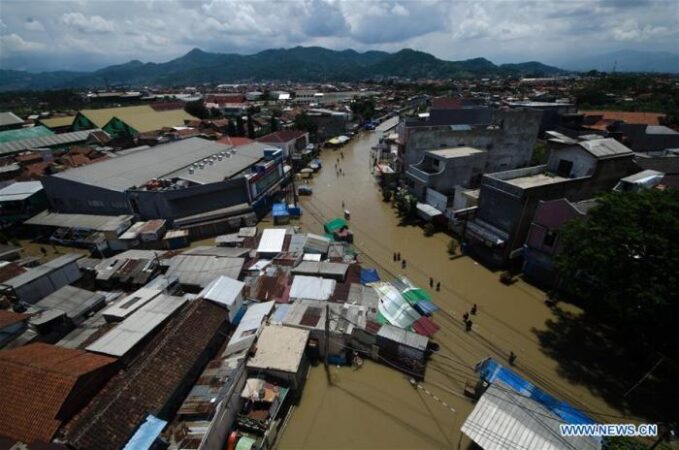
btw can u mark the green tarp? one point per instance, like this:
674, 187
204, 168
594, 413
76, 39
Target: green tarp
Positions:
24, 133
335, 225
414, 296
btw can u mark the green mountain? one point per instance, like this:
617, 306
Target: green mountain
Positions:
295, 64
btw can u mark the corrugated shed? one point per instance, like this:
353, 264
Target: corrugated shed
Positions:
505, 420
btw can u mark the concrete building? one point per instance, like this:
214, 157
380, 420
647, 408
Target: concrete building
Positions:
543, 242
281, 355
436, 177
507, 135
193, 184
508, 199
554, 114
645, 138
290, 141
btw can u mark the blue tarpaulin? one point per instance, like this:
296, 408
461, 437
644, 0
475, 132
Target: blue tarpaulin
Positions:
425, 307
369, 275
146, 434
491, 371
279, 210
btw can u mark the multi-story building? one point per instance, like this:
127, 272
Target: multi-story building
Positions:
508, 199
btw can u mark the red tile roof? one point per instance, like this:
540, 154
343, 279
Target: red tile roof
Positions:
425, 326
169, 363
282, 136
647, 118
10, 270
37, 379
446, 103
9, 318
225, 99
235, 141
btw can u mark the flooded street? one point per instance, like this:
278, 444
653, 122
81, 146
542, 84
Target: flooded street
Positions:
376, 407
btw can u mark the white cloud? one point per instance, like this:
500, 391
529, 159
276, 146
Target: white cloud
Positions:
12, 43
84, 24
502, 30
33, 25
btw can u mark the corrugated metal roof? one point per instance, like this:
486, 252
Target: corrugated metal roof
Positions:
311, 288
73, 301
57, 122
504, 419
222, 166
24, 133
136, 168
272, 240
9, 118
404, 337
45, 141
85, 221
279, 348
201, 270
225, 252
248, 328
37, 272
127, 305
321, 268
141, 118
605, 148
19, 191
132, 330
223, 290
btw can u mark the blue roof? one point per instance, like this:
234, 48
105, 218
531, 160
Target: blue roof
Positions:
369, 275
146, 434
492, 371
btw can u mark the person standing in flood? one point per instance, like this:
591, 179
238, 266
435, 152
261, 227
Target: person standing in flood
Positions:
438, 286
403, 264
431, 282
473, 310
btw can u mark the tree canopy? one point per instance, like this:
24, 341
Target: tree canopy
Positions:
623, 262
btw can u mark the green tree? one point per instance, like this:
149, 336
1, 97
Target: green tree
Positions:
622, 262
231, 129
364, 109
240, 126
197, 109
452, 247
251, 126
305, 123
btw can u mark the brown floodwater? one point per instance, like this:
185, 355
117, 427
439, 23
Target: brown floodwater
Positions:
376, 407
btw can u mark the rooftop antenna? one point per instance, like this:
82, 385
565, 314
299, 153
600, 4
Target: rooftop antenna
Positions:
615, 65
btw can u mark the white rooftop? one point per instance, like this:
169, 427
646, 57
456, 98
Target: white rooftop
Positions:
223, 290
19, 191
272, 240
279, 348
311, 288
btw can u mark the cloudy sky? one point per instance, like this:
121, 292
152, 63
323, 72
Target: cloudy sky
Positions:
86, 34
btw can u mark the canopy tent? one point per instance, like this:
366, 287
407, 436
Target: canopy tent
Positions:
394, 307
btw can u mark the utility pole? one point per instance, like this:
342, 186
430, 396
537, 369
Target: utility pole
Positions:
327, 343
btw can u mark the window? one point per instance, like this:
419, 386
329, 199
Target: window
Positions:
550, 238
564, 169
95, 203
